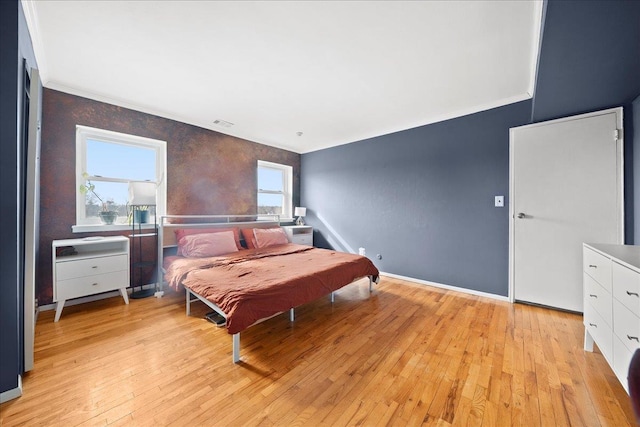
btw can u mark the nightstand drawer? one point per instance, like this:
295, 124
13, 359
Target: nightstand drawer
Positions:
598, 267
299, 234
90, 267
82, 286
626, 287
303, 239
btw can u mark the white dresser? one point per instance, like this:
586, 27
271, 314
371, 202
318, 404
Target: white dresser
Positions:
611, 280
89, 266
299, 234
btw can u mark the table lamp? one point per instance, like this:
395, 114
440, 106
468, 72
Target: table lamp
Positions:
300, 213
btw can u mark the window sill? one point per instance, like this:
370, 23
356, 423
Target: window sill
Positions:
105, 228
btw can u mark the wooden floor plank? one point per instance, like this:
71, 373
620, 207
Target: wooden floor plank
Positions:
406, 354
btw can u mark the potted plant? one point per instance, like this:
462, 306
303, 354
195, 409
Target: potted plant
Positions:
107, 216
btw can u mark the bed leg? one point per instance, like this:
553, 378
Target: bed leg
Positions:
186, 292
370, 284
333, 297
236, 348
292, 315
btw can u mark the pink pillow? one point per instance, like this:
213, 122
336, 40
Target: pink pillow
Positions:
249, 237
181, 232
208, 244
266, 237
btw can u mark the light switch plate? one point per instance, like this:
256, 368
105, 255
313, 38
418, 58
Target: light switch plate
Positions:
499, 201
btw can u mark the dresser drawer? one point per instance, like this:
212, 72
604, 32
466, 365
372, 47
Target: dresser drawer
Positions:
599, 298
598, 267
621, 361
626, 287
91, 266
626, 325
599, 331
81, 286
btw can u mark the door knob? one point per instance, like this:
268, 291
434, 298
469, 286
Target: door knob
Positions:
521, 215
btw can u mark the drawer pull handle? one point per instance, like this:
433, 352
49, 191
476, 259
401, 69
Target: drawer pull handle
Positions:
593, 266
94, 284
632, 293
593, 295
593, 324
629, 337
95, 266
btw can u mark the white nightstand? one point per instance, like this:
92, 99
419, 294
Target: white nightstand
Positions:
89, 266
299, 234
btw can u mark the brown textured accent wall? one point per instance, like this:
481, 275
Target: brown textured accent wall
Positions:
207, 172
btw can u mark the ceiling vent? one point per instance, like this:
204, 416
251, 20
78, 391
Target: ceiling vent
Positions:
223, 123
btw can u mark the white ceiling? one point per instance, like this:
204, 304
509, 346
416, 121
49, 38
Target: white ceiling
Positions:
336, 71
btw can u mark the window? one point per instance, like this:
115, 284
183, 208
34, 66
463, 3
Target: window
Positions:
275, 183
105, 164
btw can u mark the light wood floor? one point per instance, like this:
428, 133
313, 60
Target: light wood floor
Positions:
405, 355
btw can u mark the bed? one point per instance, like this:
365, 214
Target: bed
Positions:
245, 270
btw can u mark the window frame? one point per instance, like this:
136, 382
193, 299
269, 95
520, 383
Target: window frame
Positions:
287, 185
85, 133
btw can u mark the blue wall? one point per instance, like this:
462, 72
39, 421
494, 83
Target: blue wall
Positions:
423, 198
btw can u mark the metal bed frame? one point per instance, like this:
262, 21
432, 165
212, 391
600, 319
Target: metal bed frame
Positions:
236, 337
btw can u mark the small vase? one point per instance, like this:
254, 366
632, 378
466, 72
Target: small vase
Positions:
140, 217
108, 217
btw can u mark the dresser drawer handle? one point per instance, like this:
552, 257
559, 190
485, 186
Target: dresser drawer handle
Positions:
593, 266
94, 284
593, 295
632, 293
629, 337
593, 324
95, 266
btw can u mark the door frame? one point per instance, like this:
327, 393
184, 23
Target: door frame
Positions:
619, 173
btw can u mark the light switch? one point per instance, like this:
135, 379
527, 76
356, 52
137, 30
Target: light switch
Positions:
499, 201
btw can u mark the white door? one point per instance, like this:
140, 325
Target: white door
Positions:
565, 189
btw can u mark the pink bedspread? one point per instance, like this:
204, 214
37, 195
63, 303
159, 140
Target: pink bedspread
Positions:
254, 284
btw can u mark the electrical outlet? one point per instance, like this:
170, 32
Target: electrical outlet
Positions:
499, 201
362, 252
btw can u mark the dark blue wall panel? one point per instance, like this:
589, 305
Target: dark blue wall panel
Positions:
422, 198
9, 313
633, 136
589, 59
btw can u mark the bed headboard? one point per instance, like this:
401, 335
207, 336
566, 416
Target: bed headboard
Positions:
169, 223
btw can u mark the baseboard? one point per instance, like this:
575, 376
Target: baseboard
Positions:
14, 393
448, 287
96, 297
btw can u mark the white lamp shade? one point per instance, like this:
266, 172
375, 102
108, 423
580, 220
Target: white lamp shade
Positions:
300, 211
142, 193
